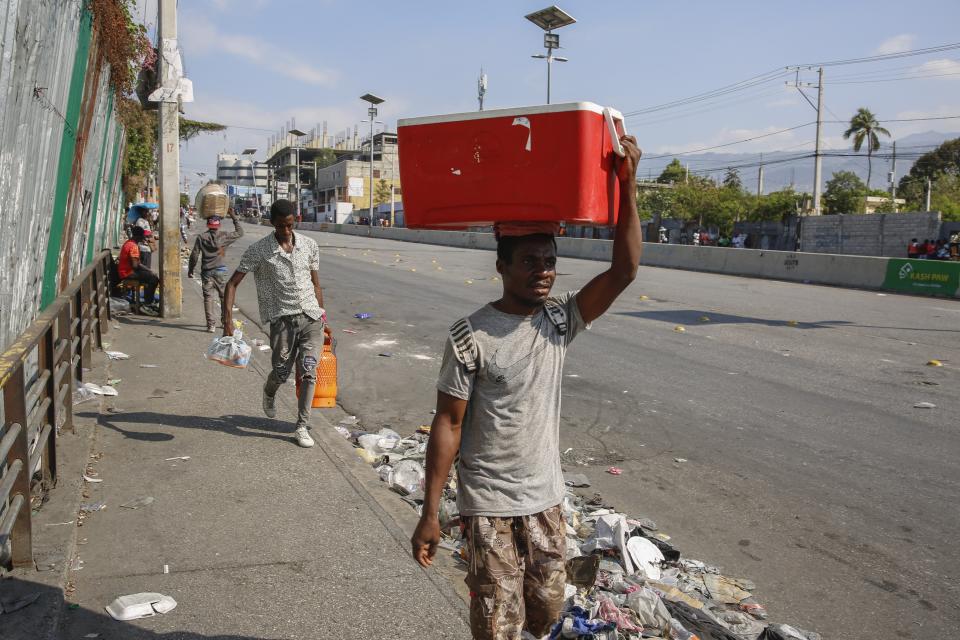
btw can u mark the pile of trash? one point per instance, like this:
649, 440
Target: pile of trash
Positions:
624, 578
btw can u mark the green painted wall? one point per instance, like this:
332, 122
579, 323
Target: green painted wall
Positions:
65, 163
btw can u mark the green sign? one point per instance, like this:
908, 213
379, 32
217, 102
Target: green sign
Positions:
932, 277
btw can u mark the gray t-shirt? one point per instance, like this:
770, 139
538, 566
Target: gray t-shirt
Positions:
510, 436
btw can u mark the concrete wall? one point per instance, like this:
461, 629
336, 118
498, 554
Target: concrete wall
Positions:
877, 234
861, 272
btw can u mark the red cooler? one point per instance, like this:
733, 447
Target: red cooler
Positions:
546, 163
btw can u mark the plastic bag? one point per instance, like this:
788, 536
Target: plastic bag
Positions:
231, 351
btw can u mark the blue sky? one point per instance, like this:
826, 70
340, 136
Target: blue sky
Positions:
257, 63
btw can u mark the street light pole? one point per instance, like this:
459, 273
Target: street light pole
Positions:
549, 19
372, 112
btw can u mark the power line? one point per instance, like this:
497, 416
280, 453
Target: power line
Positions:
897, 79
775, 74
901, 119
729, 144
886, 56
715, 93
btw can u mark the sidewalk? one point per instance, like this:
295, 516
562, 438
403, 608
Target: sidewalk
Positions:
261, 538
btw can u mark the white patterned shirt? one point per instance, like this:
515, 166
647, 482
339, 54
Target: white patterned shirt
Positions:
284, 285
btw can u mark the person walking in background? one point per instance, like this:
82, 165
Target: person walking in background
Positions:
209, 249
286, 268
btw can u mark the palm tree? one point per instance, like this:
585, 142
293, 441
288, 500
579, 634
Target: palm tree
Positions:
865, 127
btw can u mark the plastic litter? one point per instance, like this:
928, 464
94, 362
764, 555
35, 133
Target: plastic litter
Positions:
575, 480
149, 366
93, 507
177, 458
646, 556
230, 351
349, 331
119, 305
934, 363
136, 503
117, 355
140, 605
363, 316
407, 475
924, 405
679, 329
89, 479
615, 471
83, 394
622, 574
680, 460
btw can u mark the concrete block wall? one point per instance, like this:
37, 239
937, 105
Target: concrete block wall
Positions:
879, 234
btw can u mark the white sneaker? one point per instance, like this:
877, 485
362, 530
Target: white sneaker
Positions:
269, 406
302, 436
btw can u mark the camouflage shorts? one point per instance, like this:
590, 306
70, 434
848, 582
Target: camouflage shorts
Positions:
516, 575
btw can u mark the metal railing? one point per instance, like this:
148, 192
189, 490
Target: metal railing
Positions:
38, 373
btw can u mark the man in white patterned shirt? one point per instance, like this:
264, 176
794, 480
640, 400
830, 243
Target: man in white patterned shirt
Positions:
285, 267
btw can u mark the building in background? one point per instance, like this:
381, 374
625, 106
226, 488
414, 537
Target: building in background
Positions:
343, 189
334, 174
241, 171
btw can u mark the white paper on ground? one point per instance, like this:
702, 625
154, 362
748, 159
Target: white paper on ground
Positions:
140, 605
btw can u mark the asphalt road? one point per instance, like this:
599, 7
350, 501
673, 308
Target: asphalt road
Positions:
805, 465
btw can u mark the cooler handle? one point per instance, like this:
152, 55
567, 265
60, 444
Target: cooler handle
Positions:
612, 128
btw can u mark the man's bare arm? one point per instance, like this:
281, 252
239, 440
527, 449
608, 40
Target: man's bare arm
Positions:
597, 296
229, 295
442, 448
317, 291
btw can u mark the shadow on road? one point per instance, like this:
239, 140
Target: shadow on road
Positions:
692, 317
236, 425
148, 321
38, 602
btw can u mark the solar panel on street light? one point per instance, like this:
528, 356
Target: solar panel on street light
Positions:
552, 17
372, 99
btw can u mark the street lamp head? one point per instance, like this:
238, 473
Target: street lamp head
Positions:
561, 59
552, 17
539, 56
372, 99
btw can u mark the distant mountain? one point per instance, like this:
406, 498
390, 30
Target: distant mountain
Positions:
781, 169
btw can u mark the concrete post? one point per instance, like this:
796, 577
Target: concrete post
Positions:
818, 157
169, 179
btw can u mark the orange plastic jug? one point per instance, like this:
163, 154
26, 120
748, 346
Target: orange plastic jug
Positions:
325, 391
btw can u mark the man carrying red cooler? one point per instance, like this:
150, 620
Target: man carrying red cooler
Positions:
498, 407
286, 268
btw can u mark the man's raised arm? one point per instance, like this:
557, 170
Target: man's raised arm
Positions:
597, 296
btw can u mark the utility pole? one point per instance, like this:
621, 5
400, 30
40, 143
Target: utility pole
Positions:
893, 178
760, 182
817, 157
929, 188
169, 123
